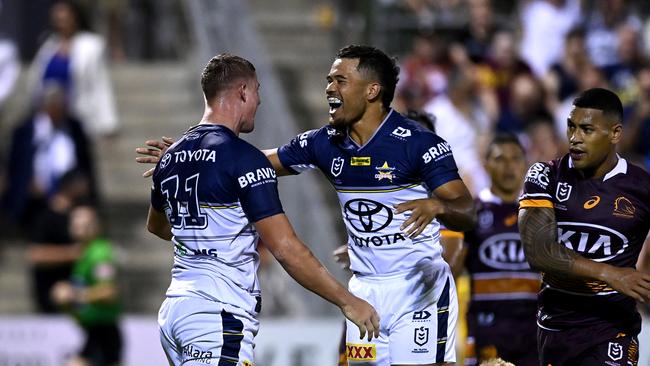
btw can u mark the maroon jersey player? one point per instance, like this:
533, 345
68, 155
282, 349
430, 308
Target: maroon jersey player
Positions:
583, 219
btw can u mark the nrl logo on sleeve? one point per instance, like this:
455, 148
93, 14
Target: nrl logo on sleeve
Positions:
615, 351
337, 166
563, 191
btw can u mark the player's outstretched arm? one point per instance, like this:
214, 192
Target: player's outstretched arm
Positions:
158, 224
538, 230
452, 204
300, 263
272, 155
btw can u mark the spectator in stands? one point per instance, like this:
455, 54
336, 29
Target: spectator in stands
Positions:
43, 148
461, 119
91, 293
525, 105
52, 250
634, 143
502, 66
544, 25
480, 29
542, 142
622, 76
561, 80
74, 57
590, 76
9, 69
602, 28
422, 73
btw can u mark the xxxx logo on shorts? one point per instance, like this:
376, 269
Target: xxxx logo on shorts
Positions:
360, 352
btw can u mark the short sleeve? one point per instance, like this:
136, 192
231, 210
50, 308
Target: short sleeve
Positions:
257, 186
436, 161
298, 155
537, 187
157, 198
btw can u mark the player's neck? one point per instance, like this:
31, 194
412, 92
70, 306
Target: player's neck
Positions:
605, 167
362, 130
226, 117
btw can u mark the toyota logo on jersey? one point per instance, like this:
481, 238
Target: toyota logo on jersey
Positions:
367, 216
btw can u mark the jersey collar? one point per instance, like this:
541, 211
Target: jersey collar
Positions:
350, 144
619, 168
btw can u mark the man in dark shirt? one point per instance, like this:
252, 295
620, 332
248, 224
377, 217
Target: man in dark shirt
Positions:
583, 219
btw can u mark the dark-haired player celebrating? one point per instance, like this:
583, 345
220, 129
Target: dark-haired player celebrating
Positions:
378, 160
583, 219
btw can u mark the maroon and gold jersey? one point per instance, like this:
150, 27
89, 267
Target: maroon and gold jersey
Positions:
603, 219
503, 287
495, 257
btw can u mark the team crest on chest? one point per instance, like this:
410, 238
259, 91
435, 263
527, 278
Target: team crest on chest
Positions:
563, 191
623, 207
385, 172
337, 166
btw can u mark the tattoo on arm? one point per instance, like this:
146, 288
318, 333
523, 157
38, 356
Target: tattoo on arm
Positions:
538, 230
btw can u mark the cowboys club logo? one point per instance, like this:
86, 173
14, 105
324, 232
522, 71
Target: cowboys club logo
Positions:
367, 215
165, 160
421, 336
337, 166
563, 191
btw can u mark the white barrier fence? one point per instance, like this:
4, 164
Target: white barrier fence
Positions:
48, 341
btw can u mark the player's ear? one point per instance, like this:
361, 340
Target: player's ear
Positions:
242, 92
616, 133
373, 90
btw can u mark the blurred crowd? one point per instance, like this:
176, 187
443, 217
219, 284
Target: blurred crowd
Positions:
516, 68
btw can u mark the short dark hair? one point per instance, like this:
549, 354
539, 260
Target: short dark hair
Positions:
603, 100
503, 138
222, 70
379, 64
79, 14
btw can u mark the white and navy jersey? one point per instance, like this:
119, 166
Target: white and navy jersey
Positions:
402, 161
212, 186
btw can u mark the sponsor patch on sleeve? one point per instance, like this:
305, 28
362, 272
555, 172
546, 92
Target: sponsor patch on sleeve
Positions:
538, 174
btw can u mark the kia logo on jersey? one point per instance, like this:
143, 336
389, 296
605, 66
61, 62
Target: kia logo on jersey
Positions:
366, 215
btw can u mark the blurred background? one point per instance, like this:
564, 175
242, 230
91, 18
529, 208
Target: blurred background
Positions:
82, 84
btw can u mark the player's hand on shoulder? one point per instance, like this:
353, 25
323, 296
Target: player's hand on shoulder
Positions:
422, 212
363, 315
630, 282
342, 257
152, 153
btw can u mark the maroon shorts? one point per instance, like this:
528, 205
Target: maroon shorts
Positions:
584, 347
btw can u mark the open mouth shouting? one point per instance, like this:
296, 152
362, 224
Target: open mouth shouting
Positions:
334, 103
